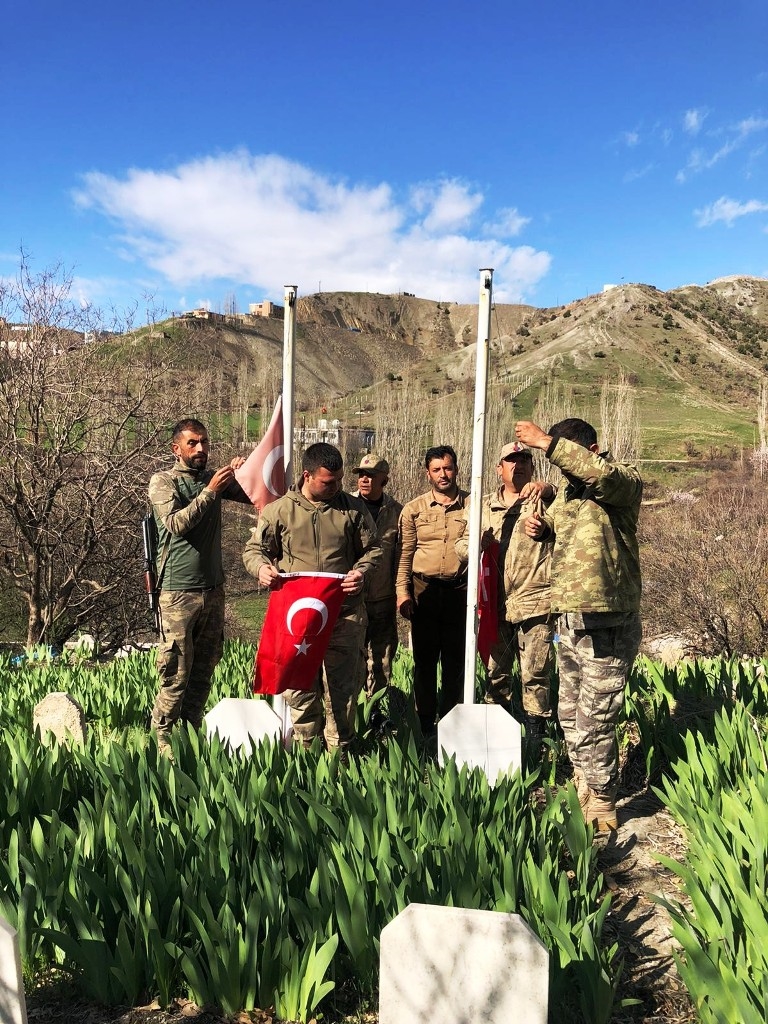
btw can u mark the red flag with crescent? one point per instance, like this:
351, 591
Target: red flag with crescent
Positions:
300, 618
488, 601
262, 475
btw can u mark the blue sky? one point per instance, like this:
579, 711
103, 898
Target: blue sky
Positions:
188, 151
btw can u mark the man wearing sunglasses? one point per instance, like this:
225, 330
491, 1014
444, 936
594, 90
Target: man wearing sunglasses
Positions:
380, 604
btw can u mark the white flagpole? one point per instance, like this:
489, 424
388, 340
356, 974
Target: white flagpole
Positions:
289, 362
476, 487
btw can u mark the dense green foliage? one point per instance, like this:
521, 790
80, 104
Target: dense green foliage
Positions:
265, 880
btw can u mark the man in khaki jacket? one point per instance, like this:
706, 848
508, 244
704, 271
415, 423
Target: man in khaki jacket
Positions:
380, 604
431, 586
320, 528
525, 623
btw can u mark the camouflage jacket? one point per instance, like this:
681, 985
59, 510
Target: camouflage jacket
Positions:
188, 518
296, 535
595, 562
380, 582
524, 564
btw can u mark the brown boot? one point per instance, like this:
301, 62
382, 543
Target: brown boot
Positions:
601, 811
582, 789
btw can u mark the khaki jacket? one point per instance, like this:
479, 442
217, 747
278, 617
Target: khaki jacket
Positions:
296, 535
380, 582
524, 564
427, 536
596, 561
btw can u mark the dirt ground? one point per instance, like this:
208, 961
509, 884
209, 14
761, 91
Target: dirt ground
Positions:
636, 923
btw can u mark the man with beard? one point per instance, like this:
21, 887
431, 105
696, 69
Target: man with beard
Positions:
431, 586
186, 501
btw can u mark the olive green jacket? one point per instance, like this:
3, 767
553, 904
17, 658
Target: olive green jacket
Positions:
188, 518
296, 535
380, 582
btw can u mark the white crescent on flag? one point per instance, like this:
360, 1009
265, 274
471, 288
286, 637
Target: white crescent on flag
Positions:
269, 464
307, 602
262, 475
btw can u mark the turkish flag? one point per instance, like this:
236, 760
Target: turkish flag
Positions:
300, 618
488, 601
262, 475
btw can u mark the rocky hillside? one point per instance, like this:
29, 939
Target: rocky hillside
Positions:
696, 354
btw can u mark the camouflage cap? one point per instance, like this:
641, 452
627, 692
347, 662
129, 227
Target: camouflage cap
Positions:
371, 463
514, 448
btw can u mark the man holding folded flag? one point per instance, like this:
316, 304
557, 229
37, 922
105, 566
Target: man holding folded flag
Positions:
314, 529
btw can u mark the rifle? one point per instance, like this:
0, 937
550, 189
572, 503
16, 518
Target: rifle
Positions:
149, 536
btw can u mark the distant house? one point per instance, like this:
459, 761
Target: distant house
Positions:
267, 309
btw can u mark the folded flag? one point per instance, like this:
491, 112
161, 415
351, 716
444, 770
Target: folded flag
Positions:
301, 614
488, 601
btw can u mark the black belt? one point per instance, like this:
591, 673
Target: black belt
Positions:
449, 582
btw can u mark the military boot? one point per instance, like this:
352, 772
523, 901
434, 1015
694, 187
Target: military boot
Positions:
601, 811
535, 727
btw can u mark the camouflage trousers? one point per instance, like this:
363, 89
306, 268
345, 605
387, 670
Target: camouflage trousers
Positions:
329, 709
380, 645
530, 643
594, 661
193, 632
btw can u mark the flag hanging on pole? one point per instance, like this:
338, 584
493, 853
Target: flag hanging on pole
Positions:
262, 475
488, 601
300, 618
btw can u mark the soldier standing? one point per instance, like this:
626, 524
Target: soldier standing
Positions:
380, 603
525, 622
186, 501
595, 589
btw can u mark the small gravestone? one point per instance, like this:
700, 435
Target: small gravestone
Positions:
13, 1007
60, 714
242, 722
480, 736
460, 966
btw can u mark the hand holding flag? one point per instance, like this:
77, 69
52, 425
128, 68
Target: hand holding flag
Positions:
301, 614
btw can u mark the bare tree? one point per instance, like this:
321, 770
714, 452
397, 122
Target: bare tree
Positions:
79, 436
705, 569
619, 419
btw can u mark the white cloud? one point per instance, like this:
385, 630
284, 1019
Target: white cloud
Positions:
727, 210
693, 120
264, 220
630, 139
507, 223
638, 172
737, 134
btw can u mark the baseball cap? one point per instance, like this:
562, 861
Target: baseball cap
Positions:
371, 463
514, 448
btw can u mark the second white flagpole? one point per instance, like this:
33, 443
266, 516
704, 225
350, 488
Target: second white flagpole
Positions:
476, 487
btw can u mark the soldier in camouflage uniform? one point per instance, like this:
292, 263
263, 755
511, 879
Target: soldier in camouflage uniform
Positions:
525, 624
186, 501
320, 528
595, 590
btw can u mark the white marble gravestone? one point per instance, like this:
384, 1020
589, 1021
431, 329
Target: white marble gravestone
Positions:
242, 722
480, 736
455, 966
13, 1006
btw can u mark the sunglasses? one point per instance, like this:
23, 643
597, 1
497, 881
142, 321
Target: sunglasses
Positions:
517, 458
